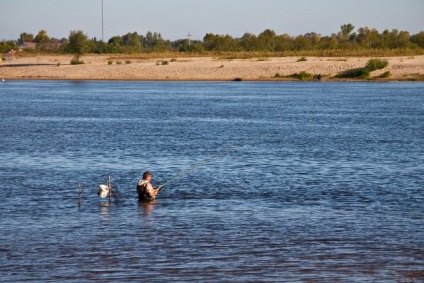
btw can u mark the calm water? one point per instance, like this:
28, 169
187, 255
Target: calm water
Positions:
308, 182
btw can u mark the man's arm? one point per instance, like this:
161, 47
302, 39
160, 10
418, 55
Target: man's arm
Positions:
152, 191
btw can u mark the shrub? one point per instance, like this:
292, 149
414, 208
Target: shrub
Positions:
376, 64
110, 62
118, 62
128, 62
416, 77
76, 61
302, 59
173, 60
278, 76
301, 76
354, 73
364, 73
165, 63
385, 75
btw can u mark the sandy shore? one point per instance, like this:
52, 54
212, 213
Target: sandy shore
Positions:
97, 67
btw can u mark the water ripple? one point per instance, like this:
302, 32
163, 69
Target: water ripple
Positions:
325, 184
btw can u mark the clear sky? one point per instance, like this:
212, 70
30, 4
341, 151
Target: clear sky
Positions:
174, 19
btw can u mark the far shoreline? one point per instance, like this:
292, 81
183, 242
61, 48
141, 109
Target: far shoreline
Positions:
206, 69
219, 81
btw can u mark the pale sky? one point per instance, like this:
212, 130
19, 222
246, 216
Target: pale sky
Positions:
174, 19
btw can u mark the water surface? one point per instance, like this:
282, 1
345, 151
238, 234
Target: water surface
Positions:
306, 182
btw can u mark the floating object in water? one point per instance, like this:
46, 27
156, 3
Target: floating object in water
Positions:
2, 80
104, 191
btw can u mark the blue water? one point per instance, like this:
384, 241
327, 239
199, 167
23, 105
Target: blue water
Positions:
300, 182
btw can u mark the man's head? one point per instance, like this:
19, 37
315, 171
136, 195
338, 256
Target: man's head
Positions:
147, 176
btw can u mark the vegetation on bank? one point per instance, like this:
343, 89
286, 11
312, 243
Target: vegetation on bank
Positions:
77, 46
358, 73
364, 73
347, 42
302, 76
364, 42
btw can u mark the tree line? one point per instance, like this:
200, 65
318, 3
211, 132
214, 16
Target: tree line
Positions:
363, 38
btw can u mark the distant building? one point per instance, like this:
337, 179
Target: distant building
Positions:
28, 45
53, 45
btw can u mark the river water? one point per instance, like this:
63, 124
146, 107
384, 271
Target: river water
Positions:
287, 182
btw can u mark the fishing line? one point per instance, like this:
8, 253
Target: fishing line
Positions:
203, 163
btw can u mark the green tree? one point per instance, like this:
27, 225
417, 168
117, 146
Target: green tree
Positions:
184, 45
333, 43
368, 38
403, 40
132, 40
153, 41
248, 42
42, 40
77, 45
215, 42
114, 45
301, 43
394, 39
388, 38
418, 39
266, 40
5, 45
100, 47
25, 37
346, 30
42, 37
344, 36
314, 39
283, 42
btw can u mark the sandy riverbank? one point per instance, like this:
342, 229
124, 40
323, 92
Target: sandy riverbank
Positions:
97, 67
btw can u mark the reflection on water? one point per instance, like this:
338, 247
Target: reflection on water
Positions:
147, 206
325, 185
104, 207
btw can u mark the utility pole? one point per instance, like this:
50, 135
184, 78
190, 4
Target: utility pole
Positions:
189, 35
102, 24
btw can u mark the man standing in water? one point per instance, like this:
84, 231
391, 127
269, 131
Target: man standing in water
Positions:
145, 189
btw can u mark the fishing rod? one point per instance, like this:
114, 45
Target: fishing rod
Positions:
203, 163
